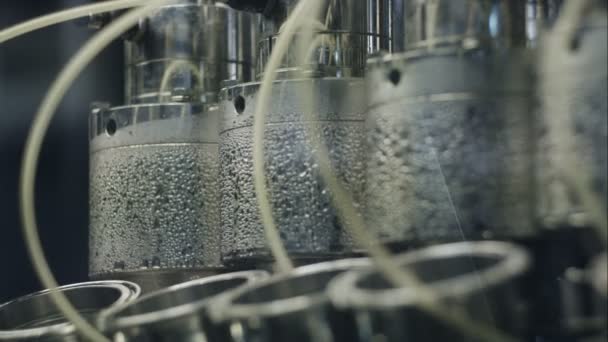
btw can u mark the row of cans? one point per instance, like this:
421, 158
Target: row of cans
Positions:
338, 301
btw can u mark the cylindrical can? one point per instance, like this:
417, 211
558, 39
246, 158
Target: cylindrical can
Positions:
36, 318
154, 216
177, 313
191, 48
479, 279
287, 307
301, 202
450, 152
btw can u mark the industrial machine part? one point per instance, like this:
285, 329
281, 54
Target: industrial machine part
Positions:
309, 226
347, 31
35, 318
481, 278
450, 139
288, 307
581, 96
154, 198
177, 313
301, 205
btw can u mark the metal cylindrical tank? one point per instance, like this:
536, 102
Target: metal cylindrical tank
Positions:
347, 32
450, 136
301, 202
154, 212
154, 166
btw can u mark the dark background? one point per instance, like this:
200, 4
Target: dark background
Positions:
28, 65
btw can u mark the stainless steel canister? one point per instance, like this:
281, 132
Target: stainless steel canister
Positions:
177, 313
479, 279
154, 199
154, 163
573, 88
36, 318
347, 32
301, 202
450, 150
287, 307
189, 49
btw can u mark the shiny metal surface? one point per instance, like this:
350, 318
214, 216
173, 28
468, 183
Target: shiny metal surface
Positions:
540, 15
190, 48
308, 223
450, 150
177, 313
579, 80
348, 32
290, 307
481, 278
154, 193
466, 23
35, 318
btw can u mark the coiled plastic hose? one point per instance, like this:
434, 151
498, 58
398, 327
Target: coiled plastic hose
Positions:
575, 171
32, 151
66, 15
340, 196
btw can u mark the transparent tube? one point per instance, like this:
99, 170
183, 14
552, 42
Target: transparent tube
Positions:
65, 15
32, 152
575, 172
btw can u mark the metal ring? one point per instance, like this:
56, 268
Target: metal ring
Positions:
509, 261
174, 302
34, 316
245, 303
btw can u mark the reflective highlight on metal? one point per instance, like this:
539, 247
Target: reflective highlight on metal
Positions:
35, 318
464, 23
154, 216
189, 49
482, 278
450, 150
348, 31
308, 223
579, 80
177, 313
290, 307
